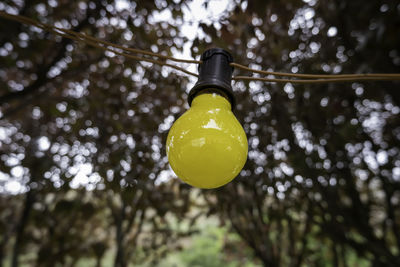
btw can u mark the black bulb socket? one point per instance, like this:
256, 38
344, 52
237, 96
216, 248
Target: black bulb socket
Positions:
215, 72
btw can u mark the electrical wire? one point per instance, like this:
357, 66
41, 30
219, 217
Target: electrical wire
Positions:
45, 26
107, 46
123, 51
384, 76
274, 80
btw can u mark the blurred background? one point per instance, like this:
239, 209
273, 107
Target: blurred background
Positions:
84, 178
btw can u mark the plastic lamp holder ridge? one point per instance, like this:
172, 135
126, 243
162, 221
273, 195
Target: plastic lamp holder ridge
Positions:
214, 73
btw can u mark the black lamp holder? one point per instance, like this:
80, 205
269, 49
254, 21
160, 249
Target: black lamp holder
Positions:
214, 73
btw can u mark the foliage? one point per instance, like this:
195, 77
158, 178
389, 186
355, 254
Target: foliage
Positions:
83, 123
207, 250
323, 160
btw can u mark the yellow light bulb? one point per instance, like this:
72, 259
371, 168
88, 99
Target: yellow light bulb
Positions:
207, 146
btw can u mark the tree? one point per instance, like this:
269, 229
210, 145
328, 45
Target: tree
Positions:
72, 107
320, 164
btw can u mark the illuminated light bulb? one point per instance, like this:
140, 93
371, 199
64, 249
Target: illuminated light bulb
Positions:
207, 146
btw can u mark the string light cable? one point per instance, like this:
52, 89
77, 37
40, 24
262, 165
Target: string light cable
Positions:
161, 60
104, 45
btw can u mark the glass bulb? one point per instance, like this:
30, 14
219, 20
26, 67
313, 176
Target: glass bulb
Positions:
207, 146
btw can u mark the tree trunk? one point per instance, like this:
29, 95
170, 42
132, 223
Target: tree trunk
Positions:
3, 245
119, 257
119, 217
2, 248
29, 199
98, 261
266, 261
